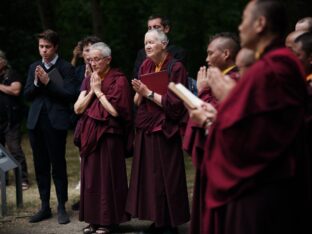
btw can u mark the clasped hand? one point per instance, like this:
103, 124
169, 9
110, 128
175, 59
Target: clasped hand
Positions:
41, 75
95, 82
140, 88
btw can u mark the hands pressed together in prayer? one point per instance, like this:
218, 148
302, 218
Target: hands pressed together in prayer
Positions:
140, 88
95, 84
213, 78
41, 75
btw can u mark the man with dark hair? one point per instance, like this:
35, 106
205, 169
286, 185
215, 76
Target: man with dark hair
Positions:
50, 88
304, 24
253, 162
163, 24
11, 114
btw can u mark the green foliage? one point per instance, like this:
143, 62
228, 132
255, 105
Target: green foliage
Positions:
193, 22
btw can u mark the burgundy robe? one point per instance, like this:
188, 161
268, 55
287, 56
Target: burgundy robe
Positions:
102, 141
251, 158
158, 189
194, 145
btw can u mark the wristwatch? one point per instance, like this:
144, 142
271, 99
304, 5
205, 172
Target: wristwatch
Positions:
151, 96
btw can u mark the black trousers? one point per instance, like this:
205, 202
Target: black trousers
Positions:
11, 137
48, 146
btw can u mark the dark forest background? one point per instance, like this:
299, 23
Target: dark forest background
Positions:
121, 24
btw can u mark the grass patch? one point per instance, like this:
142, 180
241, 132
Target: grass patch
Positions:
31, 199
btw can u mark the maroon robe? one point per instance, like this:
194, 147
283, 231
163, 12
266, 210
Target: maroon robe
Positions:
194, 145
102, 141
251, 158
158, 189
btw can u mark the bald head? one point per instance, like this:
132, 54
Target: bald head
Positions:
229, 41
244, 59
304, 24
290, 39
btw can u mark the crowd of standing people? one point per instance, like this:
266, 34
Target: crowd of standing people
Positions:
249, 139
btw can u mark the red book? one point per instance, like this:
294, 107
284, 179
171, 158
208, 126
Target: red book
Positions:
156, 81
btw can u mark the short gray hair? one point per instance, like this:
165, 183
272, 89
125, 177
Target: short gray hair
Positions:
160, 35
102, 47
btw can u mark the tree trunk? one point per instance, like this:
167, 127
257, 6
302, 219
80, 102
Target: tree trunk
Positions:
97, 18
46, 12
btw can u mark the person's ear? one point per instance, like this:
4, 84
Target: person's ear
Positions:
109, 59
226, 53
164, 44
260, 24
166, 29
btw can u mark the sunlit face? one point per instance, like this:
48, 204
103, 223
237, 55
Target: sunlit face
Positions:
98, 62
153, 46
247, 30
156, 24
215, 55
47, 50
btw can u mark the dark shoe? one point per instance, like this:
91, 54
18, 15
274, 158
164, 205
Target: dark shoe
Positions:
41, 215
76, 205
62, 216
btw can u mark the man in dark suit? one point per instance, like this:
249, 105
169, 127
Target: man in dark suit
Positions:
163, 24
48, 121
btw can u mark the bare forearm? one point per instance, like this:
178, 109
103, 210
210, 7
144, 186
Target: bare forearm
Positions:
106, 104
14, 89
82, 103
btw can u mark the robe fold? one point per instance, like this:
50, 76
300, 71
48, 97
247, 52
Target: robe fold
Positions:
251, 160
158, 189
194, 144
103, 141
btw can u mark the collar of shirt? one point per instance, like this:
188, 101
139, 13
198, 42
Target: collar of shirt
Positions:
51, 63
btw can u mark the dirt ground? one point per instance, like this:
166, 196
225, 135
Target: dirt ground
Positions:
20, 225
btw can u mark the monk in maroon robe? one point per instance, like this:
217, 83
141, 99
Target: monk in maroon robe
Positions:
221, 53
158, 189
101, 134
252, 161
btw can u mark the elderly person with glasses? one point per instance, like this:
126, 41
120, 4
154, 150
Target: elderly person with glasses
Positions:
101, 135
157, 189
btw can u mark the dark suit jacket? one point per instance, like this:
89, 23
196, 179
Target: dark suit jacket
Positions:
54, 97
177, 52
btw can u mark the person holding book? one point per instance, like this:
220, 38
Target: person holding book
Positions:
48, 122
161, 23
158, 189
102, 134
253, 162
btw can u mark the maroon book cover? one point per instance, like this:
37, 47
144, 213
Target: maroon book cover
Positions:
156, 81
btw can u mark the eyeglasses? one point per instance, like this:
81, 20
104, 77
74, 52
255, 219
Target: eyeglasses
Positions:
96, 59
